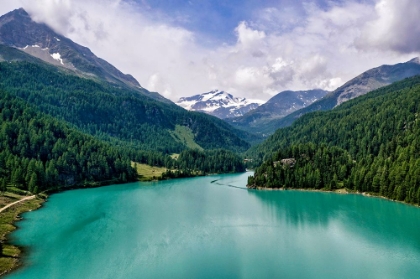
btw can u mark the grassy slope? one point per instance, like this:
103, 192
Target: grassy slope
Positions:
185, 136
148, 173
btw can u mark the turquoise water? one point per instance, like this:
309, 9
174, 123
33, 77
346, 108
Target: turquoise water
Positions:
193, 228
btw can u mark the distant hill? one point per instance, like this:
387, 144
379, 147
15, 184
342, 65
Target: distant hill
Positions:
218, 103
277, 107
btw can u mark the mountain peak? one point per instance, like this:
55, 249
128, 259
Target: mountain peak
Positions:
415, 60
18, 30
21, 12
218, 103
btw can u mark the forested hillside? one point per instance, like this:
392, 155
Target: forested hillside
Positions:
304, 166
115, 114
370, 145
38, 152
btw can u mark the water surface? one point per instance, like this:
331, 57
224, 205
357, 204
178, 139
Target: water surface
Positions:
207, 227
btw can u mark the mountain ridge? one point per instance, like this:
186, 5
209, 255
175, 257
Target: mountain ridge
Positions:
278, 106
18, 30
369, 80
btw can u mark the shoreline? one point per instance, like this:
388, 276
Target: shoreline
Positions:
342, 191
11, 255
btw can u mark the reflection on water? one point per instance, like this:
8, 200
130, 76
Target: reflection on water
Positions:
375, 219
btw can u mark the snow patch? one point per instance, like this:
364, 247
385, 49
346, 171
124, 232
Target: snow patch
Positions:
57, 39
219, 102
57, 57
186, 104
35, 46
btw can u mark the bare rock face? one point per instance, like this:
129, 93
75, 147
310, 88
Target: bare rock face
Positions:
376, 78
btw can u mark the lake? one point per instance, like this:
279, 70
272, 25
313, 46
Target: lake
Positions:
211, 227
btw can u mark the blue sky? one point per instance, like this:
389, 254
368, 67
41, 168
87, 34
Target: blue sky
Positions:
249, 48
215, 21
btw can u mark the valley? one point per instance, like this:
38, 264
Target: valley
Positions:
195, 170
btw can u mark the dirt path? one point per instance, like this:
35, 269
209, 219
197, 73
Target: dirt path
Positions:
13, 203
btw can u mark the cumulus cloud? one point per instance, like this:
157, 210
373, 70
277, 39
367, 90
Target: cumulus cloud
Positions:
396, 26
248, 37
281, 49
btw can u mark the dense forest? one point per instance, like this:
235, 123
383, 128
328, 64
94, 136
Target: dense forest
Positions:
195, 162
369, 144
38, 152
115, 114
304, 166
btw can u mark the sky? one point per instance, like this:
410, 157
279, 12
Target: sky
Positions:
249, 48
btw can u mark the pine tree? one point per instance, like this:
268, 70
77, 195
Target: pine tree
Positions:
33, 182
3, 186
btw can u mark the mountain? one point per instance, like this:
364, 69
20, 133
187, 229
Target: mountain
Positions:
368, 144
360, 85
218, 103
94, 97
116, 114
18, 30
277, 107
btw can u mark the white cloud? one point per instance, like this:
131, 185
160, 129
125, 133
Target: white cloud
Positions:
396, 26
248, 37
280, 51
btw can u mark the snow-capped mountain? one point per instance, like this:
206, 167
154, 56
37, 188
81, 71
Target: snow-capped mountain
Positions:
219, 103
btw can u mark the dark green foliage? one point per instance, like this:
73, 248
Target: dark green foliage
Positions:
114, 114
380, 132
196, 162
38, 152
313, 167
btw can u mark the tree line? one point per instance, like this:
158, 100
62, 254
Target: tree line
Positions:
194, 162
